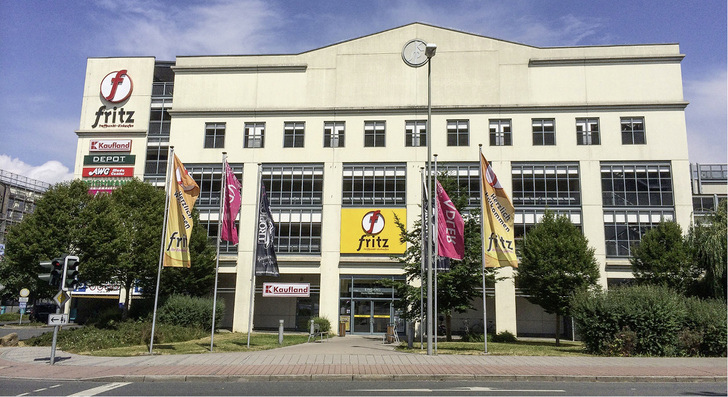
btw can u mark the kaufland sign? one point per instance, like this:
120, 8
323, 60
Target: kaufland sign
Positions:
107, 145
300, 290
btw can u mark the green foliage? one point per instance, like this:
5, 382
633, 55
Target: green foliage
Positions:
556, 262
188, 311
649, 320
323, 323
504, 337
663, 258
709, 242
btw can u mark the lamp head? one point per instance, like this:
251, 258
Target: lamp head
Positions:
430, 50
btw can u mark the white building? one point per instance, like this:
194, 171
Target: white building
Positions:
597, 133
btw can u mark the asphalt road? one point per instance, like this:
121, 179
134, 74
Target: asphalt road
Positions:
24, 332
361, 388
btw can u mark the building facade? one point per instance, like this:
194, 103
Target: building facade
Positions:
339, 133
18, 195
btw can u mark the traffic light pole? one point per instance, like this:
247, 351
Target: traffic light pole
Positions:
59, 309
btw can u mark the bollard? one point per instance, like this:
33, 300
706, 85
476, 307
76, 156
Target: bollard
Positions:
280, 332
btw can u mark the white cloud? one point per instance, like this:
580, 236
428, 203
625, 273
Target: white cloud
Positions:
706, 117
50, 172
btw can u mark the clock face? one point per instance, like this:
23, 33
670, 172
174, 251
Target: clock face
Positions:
413, 53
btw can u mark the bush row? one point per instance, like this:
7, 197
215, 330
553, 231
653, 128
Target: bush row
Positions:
649, 320
188, 311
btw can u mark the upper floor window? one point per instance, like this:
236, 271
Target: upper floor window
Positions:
294, 184
374, 185
415, 133
458, 133
500, 133
552, 185
642, 185
633, 130
334, 134
215, 135
374, 133
293, 134
254, 135
544, 132
209, 179
587, 131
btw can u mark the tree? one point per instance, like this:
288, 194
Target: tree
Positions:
457, 287
708, 242
663, 258
556, 262
51, 231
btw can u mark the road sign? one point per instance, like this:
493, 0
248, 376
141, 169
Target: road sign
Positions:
57, 319
24, 292
23, 299
22, 305
61, 298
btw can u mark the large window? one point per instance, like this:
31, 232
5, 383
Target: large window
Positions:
254, 135
640, 184
209, 179
587, 131
334, 134
633, 130
298, 230
159, 118
374, 133
552, 185
374, 185
467, 176
157, 153
294, 184
458, 133
293, 134
624, 229
544, 132
500, 133
215, 135
415, 133
209, 220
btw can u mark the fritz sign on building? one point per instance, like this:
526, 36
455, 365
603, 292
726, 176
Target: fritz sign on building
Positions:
116, 88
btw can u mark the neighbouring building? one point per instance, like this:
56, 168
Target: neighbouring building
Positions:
18, 195
596, 133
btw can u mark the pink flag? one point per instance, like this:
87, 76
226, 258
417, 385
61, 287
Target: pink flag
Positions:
231, 206
450, 227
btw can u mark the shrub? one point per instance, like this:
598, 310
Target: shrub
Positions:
187, 311
624, 343
708, 318
108, 318
472, 337
504, 337
323, 323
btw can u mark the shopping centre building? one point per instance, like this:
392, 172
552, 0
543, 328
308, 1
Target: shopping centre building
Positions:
596, 133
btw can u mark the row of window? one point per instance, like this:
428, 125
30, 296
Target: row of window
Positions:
458, 133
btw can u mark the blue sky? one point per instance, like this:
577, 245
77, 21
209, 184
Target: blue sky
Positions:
44, 46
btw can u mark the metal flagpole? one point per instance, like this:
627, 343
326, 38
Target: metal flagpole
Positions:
255, 253
223, 191
170, 166
436, 242
423, 261
482, 244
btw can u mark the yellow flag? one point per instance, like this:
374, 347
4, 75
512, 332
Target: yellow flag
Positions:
499, 245
183, 192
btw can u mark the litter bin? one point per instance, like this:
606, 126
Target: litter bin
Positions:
342, 328
2, 309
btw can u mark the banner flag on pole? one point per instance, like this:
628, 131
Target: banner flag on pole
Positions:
450, 227
182, 195
231, 206
266, 263
499, 244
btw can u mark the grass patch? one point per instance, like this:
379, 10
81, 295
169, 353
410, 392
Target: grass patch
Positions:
518, 348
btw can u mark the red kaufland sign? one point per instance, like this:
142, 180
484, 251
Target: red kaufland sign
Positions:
302, 290
106, 145
107, 172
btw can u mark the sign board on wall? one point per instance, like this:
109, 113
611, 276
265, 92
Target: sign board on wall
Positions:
107, 172
110, 145
287, 290
109, 159
371, 231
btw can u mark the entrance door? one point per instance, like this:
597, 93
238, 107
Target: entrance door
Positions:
371, 317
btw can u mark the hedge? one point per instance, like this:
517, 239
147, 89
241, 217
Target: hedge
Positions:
187, 311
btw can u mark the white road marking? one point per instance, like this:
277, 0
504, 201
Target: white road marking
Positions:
101, 389
462, 389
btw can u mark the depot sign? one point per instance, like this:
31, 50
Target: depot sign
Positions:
295, 290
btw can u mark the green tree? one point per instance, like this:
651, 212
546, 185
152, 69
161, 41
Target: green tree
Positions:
556, 262
708, 242
457, 287
662, 257
51, 231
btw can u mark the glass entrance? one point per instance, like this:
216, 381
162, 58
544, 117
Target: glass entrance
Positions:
366, 304
371, 317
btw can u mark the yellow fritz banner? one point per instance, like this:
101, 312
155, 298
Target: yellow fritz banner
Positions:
183, 192
499, 245
371, 231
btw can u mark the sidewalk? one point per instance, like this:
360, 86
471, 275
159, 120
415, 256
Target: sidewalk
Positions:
350, 358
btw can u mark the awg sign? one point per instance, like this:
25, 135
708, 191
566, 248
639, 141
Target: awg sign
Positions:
107, 172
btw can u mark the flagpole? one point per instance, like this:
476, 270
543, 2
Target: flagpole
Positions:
170, 161
255, 254
423, 261
435, 259
223, 190
482, 243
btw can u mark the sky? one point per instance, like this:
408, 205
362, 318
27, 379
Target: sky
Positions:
44, 45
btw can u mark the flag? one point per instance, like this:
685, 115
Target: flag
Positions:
450, 227
266, 263
498, 213
230, 206
183, 192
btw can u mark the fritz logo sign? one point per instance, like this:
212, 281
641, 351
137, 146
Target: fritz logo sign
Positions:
116, 87
371, 231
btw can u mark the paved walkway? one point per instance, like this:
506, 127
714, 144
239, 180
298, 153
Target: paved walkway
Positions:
350, 358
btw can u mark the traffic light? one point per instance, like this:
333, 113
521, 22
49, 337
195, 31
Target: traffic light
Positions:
56, 272
70, 281
46, 274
